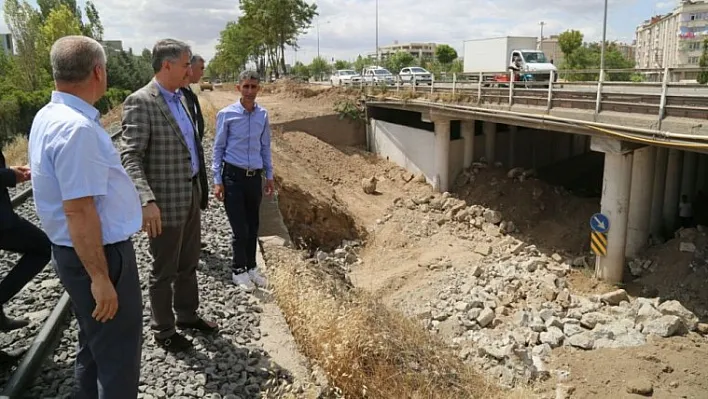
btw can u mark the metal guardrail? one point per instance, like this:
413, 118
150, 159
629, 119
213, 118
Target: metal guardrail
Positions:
48, 337
487, 88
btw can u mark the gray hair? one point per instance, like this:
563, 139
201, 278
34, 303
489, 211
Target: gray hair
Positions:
168, 50
73, 58
197, 58
249, 75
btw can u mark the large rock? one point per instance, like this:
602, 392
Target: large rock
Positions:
493, 217
614, 298
675, 308
665, 326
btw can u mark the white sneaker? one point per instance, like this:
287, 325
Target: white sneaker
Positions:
257, 278
243, 281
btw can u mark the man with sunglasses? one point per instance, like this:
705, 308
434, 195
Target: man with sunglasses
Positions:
241, 155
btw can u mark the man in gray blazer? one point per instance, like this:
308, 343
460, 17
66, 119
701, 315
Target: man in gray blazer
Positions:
163, 155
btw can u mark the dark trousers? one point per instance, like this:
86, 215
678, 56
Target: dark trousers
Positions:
108, 354
23, 237
173, 279
242, 199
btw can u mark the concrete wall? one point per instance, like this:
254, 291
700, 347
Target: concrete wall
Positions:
412, 149
330, 129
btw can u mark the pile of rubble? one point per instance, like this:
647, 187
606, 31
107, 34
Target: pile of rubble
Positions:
508, 310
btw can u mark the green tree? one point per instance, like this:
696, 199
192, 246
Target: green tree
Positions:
360, 64
400, 59
94, 28
319, 68
273, 26
445, 54
569, 41
300, 70
703, 63
24, 23
60, 22
340, 64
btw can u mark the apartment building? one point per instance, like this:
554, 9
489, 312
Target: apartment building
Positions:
417, 50
6, 43
673, 40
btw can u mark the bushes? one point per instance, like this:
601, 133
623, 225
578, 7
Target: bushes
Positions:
18, 108
112, 98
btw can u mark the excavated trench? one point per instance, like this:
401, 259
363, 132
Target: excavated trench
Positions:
315, 223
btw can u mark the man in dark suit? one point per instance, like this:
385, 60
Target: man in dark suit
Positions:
162, 153
21, 236
195, 110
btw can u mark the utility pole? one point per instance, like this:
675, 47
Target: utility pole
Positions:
540, 42
318, 37
377, 32
602, 49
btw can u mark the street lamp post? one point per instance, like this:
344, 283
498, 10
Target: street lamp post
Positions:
604, 38
377, 32
540, 42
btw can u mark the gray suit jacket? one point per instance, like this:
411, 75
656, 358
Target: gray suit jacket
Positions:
155, 155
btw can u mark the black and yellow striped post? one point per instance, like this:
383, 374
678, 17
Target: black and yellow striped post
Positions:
598, 243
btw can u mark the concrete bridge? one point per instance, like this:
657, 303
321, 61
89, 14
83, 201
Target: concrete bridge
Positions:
654, 148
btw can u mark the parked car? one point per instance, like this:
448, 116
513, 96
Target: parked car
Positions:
217, 83
415, 75
377, 75
206, 85
344, 77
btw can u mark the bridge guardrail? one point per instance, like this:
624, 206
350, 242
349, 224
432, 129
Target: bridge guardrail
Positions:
659, 99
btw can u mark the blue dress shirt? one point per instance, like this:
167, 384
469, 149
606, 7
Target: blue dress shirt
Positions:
185, 124
242, 139
71, 156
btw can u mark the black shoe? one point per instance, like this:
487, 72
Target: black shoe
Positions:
201, 325
9, 324
174, 343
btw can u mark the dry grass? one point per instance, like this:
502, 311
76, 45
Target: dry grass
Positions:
16, 151
366, 349
209, 112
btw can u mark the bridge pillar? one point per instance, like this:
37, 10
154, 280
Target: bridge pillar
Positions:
656, 224
513, 133
641, 194
701, 172
490, 139
442, 154
616, 189
688, 178
467, 130
673, 187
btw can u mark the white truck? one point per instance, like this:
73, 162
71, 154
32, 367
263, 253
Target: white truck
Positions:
498, 54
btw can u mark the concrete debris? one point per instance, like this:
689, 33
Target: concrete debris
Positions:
511, 308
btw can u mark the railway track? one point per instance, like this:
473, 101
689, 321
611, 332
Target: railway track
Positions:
231, 364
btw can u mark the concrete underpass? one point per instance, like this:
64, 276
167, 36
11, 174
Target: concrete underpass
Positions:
638, 183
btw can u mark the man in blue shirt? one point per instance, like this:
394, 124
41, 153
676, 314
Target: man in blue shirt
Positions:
241, 154
89, 208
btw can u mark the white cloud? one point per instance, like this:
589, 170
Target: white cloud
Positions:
347, 27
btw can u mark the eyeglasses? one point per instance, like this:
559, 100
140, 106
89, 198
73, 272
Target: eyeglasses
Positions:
249, 86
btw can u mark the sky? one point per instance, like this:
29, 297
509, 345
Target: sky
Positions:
347, 28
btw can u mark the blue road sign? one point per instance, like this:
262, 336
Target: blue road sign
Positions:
599, 223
